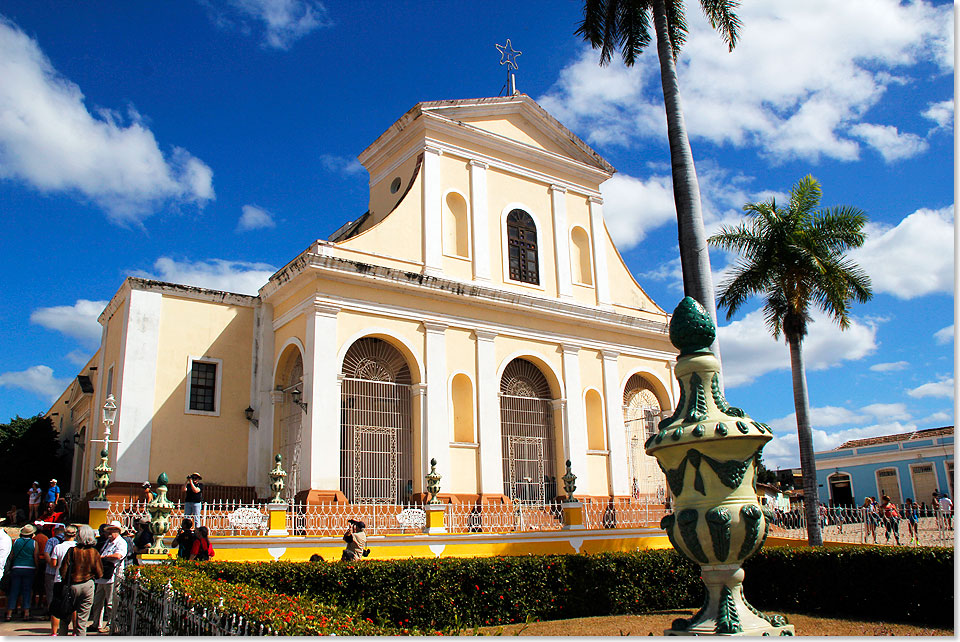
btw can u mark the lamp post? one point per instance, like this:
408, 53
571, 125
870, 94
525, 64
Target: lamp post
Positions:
103, 470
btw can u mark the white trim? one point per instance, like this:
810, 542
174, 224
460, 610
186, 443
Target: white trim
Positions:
598, 236
473, 399
191, 359
936, 478
480, 226
884, 457
616, 431
291, 341
837, 472
505, 248
431, 182
896, 471
561, 246
646, 374
469, 217
372, 330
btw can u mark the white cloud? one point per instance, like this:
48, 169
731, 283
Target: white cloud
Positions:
78, 320
632, 207
941, 388
890, 367
831, 416
283, 21
944, 336
36, 379
888, 411
341, 165
913, 259
841, 58
941, 113
254, 218
49, 140
214, 274
783, 451
77, 357
941, 417
891, 143
748, 350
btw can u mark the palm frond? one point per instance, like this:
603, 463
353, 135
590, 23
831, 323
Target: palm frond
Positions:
805, 196
633, 18
677, 25
722, 16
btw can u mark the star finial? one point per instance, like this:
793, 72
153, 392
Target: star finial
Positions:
508, 56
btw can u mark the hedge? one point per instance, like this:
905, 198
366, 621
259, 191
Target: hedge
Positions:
884, 583
906, 584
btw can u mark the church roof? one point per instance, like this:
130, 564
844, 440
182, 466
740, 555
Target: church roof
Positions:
889, 439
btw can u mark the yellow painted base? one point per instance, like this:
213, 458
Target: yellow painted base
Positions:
98, 513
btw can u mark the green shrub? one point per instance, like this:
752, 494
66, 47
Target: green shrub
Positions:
886, 583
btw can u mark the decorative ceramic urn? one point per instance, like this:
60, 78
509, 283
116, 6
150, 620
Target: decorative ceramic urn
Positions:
159, 510
708, 451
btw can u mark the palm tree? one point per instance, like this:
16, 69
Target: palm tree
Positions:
624, 26
794, 257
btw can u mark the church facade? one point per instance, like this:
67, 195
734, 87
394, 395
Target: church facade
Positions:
478, 314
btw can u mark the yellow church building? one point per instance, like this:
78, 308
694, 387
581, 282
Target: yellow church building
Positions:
477, 314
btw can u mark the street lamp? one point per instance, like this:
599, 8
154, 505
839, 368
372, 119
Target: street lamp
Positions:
103, 470
295, 395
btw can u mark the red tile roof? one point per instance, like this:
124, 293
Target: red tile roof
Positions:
906, 436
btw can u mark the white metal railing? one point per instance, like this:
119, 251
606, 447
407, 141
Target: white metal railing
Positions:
860, 526
219, 517
503, 518
330, 520
622, 513
142, 611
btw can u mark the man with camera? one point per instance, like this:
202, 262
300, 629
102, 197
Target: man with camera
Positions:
193, 495
356, 541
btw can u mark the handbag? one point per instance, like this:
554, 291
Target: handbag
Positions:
62, 605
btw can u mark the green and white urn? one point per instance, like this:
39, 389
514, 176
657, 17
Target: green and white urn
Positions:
708, 452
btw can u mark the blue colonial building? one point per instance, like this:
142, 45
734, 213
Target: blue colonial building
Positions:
913, 465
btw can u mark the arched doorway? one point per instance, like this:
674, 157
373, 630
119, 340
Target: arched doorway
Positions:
641, 414
841, 491
376, 439
290, 434
526, 423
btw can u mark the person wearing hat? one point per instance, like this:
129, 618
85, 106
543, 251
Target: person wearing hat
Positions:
148, 494
356, 540
193, 495
51, 497
111, 557
143, 540
24, 563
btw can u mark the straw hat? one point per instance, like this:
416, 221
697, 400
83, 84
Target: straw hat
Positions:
28, 530
114, 526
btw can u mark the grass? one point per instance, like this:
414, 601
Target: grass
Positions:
655, 623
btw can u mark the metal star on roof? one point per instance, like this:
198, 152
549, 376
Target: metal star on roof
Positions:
508, 56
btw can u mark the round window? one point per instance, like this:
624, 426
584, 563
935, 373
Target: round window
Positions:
395, 185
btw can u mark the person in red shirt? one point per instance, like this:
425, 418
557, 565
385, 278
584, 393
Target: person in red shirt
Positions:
202, 549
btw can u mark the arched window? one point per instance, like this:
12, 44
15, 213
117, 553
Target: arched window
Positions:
526, 422
456, 239
461, 393
522, 247
593, 406
580, 256
376, 438
290, 435
641, 414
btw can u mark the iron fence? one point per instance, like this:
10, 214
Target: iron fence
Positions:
622, 513
854, 525
140, 610
220, 517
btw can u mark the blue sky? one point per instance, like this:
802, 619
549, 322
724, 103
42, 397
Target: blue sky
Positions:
209, 142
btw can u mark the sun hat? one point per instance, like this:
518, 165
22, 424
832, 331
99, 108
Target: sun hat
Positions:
146, 484
28, 530
53, 481
114, 525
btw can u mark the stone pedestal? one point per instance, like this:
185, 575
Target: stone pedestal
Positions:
98, 513
573, 516
277, 520
436, 518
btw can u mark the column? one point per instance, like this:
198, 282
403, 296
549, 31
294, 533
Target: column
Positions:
598, 237
616, 435
480, 227
488, 402
418, 415
138, 382
320, 448
432, 224
436, 426
575, 438
561, 240
260, 439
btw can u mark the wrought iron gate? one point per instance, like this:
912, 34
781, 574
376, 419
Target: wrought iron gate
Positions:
526, 423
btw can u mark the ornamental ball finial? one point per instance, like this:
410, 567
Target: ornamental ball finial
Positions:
691, 328
278, 458
162, 480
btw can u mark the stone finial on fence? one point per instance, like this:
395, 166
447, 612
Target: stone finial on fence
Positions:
569, 483
103, 476
277, 476
433, 482
159, 509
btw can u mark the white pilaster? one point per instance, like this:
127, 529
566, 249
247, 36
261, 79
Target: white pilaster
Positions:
320, 448
437, 429
598, 236
481, 225
616, 435
138, 380
561, 240
432, 235
421, 461
260, 436
575, 439
488, 402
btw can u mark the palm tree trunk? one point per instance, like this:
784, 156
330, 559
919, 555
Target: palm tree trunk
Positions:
694, 257
808, 466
